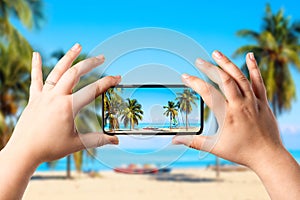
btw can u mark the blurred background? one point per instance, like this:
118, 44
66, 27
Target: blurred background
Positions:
270, 29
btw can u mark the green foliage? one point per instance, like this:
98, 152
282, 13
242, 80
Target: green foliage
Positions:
276, 48
132, 113
185, 101
113, 105
15, 60
29, 12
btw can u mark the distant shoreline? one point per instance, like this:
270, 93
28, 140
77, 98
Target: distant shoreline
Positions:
190, 159
156, 130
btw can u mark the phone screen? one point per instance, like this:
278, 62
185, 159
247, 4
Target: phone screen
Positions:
152, 109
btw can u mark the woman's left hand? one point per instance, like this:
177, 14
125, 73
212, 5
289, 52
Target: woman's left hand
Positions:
46, 130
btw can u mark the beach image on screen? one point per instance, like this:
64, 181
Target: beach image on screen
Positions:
151, 109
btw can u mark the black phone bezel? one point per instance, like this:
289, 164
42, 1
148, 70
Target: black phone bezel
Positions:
151, 133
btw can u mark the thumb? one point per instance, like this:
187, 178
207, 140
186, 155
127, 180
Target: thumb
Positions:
193, 141
92, 140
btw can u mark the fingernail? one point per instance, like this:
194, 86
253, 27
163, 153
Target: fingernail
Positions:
185, 79
34, 56
251, 56
200, 61
176, 140
100, 57
186, 140
114, 141
185, 76
76, 47
218, 54
119, 78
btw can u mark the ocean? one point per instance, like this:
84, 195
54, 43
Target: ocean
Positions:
156, 125
110, 157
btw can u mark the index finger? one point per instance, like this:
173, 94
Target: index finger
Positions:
88, 94
234, 72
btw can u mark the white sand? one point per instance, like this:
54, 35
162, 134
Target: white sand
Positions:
179, 184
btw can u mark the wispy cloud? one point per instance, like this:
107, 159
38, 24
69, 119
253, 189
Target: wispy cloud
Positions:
293, 129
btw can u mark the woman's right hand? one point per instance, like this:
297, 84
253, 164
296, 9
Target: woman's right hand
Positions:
248, 133
247, 126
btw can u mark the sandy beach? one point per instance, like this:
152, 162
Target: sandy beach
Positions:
179, 184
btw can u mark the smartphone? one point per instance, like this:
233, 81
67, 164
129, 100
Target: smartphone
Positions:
152, 110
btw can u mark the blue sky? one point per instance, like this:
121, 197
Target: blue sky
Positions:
213, 24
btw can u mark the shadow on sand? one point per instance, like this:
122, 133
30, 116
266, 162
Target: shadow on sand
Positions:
182, 178
39, 177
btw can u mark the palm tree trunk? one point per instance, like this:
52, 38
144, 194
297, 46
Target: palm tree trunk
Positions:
171, 121
181, 116
69, 166
186, 121
131, 124
78, 160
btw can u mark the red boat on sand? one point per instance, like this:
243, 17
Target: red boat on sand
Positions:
137, 169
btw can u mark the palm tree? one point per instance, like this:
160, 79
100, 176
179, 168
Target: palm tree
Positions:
14, 81
185, 101
171, 110
276, 47
30, 14
3, 131
113, 105
15, 59
132, 113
